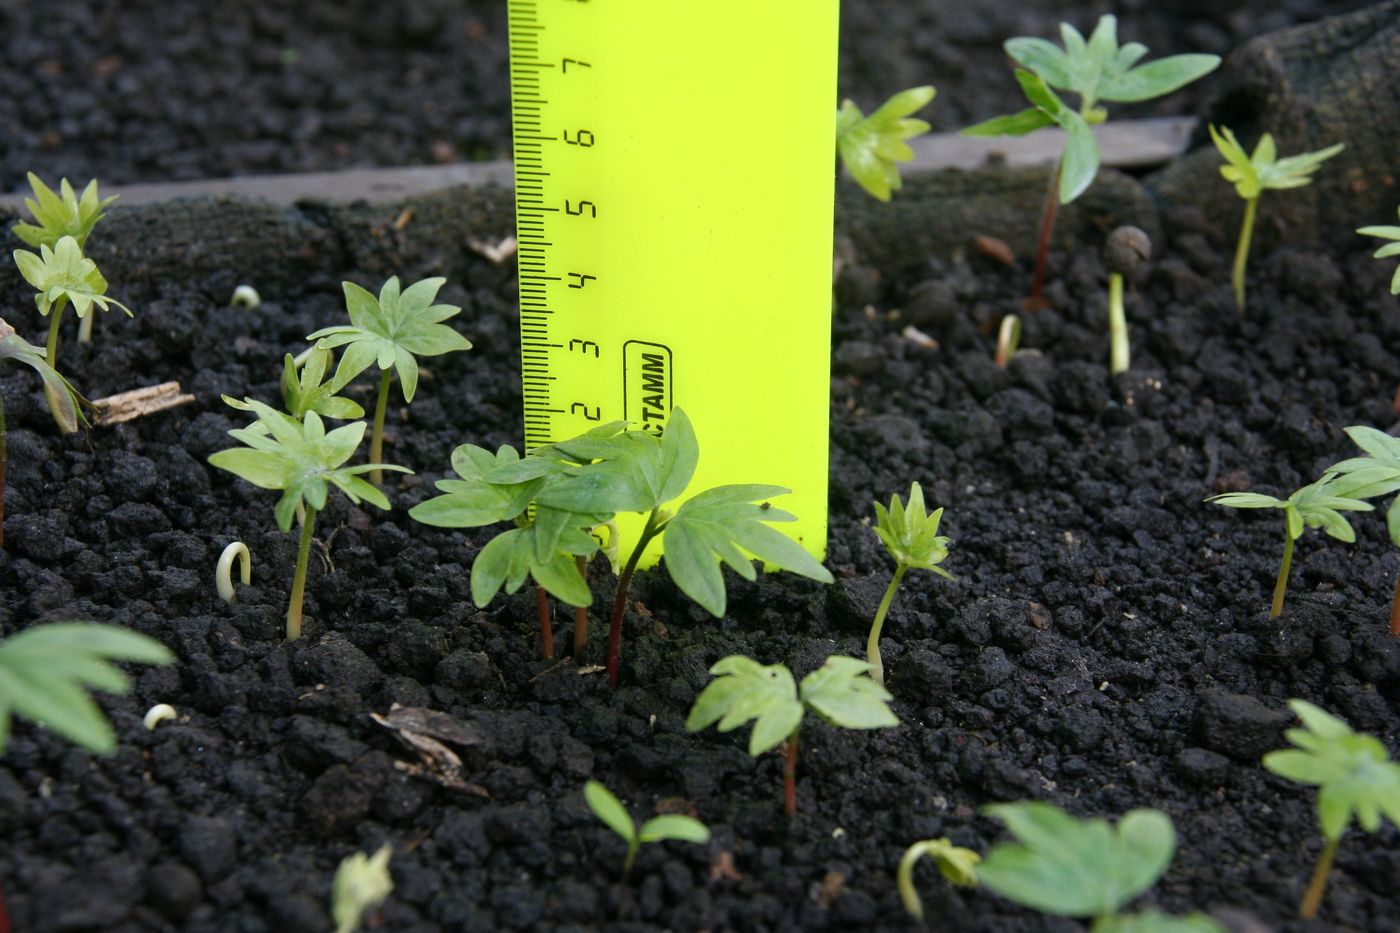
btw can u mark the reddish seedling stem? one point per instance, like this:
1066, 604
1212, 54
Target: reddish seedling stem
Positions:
4, 914
1036, 301
546, 624
624, 581
790, 775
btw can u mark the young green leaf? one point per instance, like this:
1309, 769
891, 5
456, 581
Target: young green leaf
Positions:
305, 391
512, 556
46, 673
631, 471
1154, 921
61, 215
64, 400
667, 827
392, 330
871, 146
1388, 250
745, 690
62, 274
1076, 868
911, 537
361, 884
300, 458
1316, 505
711, 527
1355, 778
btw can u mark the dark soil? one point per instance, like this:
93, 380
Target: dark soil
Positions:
1105, 646
147, 90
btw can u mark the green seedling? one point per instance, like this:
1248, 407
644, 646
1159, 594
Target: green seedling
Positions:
62, 275
636, 471
1070, 867
306, 391
362, 882
1316, 505
549, 545
744, 690
64, 401
303, 460
391, 331
911, 537
957, 865
871, 146
1128, 248
59, 215
669, 826
1255, 173
1377, 474
47, 671
1388, 250
1097, 69
1355, 777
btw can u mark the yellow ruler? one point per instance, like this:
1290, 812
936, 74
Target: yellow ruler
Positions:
674, 174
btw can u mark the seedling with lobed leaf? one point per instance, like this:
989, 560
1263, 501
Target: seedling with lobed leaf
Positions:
1355, 777
668, 826
390, 331
1255, 173
46, 673
62, 275
64, 401
307, 390
59, 215
1389, 249
871, 146
1097, 69
911, 537
1316, 505
745, 690
1070, 867
303, 460
1377, 474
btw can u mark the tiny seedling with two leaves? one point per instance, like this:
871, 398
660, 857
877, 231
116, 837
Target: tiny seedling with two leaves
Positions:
910, 535
1069, 867
1355, 779
870, 147
1388, 250
609, 471
1316, 505
46, 673
674, 827
64, 401
390, 331
305, 461
1097, 69
839, 692
1254, 173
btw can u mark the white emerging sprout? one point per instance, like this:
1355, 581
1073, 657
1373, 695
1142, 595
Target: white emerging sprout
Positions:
245, 296
223, 573
158, 714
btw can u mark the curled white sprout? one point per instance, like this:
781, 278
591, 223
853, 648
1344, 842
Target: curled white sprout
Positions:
158, 714
223, 573
245, 296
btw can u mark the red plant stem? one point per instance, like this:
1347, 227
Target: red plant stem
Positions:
624, 581
1036, 301
546, 625
1394, 602
790, 775
581, 613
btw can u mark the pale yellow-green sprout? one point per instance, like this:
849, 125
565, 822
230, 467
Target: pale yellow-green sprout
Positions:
1389, 249
1252, 174
870, 146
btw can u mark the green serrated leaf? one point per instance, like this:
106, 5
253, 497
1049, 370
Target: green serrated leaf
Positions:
745, 690
871, 146
842, 692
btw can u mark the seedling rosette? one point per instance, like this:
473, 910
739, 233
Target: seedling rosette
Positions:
1256, 172
63, 214
1377, 474
304, 461
745, 690
1356, 780
910, 535
61, 275
1097, 69
870, 147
